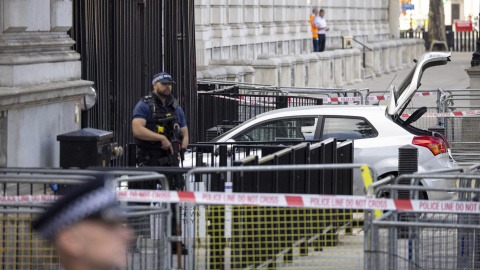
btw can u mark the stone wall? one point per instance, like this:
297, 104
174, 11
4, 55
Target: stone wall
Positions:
244, 29
272, 38
330, 69
40, 81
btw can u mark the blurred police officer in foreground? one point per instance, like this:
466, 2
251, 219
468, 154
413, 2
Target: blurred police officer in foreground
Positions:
86, 227
159, 125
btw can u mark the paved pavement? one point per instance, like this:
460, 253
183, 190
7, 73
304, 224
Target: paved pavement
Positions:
449, 76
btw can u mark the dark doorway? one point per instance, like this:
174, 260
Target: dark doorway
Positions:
455, 12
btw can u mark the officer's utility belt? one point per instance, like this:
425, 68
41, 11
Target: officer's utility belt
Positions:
158, 157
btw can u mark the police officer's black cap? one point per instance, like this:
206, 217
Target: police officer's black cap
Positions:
162, 77
94, 199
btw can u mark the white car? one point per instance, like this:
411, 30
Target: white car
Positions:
377, 131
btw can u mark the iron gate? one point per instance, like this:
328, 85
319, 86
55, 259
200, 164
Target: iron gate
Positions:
122, 43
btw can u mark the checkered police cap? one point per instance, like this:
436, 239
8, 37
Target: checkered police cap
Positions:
162, 77
93, 199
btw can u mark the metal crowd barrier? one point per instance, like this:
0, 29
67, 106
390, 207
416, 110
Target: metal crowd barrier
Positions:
462, 129
232, 103
453, 111
225, 154
213, 154
23, 248
248, 237
425, 234
267, 230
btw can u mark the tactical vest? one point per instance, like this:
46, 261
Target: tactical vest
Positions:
158, 122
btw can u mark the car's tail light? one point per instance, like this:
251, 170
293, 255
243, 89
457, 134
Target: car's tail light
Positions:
444, 139
436, 145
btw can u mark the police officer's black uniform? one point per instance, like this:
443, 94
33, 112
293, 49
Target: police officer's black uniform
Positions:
162, 121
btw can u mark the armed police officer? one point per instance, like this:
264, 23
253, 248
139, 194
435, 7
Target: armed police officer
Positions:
159, 125
161, 131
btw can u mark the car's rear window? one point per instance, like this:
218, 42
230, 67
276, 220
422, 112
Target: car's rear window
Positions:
347, 128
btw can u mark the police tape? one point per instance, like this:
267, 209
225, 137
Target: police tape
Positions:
297, 200
371, 98
448, 114
255, 101
29, 199
264, 101
272, 200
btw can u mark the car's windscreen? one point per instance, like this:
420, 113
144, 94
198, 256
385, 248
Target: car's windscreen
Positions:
216, 139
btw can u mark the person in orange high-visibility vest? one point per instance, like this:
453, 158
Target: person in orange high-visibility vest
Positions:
316, 45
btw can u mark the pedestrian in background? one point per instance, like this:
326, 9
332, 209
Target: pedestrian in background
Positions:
321, 24
314, 30
86, 227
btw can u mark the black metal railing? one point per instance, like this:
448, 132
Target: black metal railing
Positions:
266, 227
364, 52
122, 47
465, 41
456, 41
223, 106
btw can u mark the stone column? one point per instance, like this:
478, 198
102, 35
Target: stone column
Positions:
385, 57
377, 64
252, 17
357, 67
370, 59
236, 19
301, 74
218, 19
202, 20
287, 71
393, 55
203, 32
41, 90
267, 71
393, 22
266, 17
361, 17
280, 17
349, 66
369, 20
412, 51
327, 69
339, 68
295, 15
420, 47
314, 70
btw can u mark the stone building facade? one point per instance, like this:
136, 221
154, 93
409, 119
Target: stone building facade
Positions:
269, 41
40, 87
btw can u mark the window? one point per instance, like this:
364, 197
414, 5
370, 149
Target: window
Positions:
347, 128
281, 130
